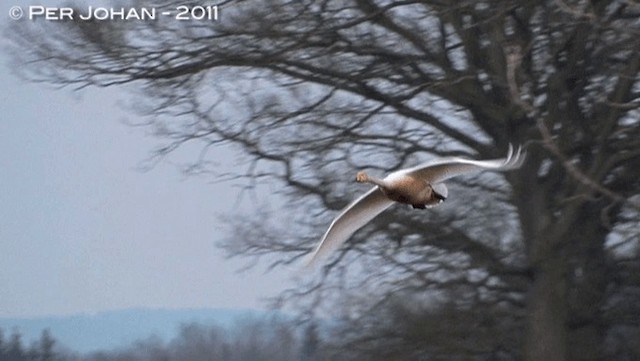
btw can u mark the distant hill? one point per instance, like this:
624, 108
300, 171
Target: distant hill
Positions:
115, 329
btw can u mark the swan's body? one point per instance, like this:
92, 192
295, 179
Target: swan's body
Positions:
407, 188
420, 187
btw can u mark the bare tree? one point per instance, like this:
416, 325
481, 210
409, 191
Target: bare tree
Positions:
313, 90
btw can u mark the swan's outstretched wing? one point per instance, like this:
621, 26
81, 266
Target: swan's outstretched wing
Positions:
352, 218
439, 171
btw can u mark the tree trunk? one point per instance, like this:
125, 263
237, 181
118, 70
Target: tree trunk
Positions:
547, 333
569, 284
588, 281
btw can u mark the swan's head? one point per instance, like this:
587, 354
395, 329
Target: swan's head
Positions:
362, 177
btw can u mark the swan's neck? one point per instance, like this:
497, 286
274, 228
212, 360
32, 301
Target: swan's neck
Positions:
363, 177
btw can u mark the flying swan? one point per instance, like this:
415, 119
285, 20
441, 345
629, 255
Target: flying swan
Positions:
422, 186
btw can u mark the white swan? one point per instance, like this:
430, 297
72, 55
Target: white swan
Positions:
420, 187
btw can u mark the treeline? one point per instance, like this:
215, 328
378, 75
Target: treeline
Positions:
13, 348
254, 340
398, 329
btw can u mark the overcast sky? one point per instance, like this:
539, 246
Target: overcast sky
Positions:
82, 230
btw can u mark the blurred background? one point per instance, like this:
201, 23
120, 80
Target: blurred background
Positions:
146, 161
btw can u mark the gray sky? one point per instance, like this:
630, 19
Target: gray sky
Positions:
81, 230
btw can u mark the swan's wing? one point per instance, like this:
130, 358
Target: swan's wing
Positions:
439, 171
352, 218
